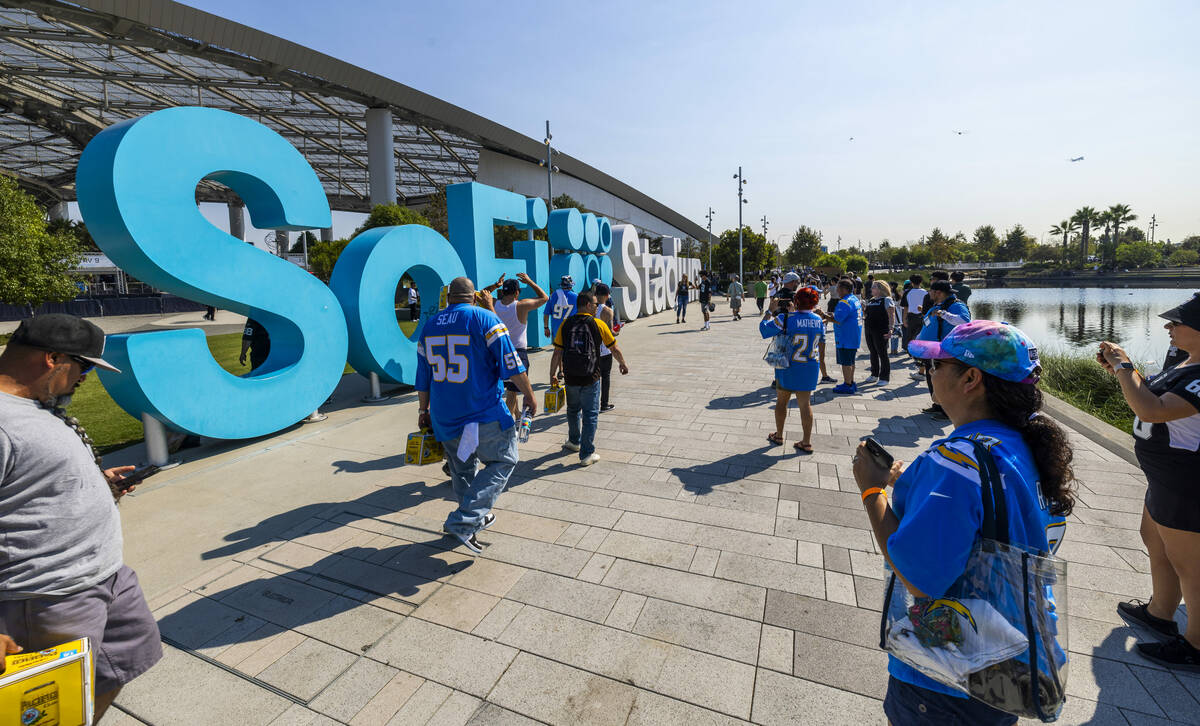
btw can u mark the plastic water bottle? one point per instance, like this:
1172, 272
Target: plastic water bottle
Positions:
523, 431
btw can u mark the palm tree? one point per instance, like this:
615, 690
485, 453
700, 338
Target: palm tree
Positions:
1065, 228
1086, 218
1119, 214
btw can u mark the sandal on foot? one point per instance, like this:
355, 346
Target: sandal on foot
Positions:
806, 448
775, 439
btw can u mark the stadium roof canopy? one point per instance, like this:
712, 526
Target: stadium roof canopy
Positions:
70, 69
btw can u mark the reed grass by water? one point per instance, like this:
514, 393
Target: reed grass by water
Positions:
1084, 384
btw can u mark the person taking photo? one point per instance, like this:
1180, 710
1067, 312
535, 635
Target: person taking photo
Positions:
804, 330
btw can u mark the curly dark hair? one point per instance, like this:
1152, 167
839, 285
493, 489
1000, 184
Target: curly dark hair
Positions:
1019, 405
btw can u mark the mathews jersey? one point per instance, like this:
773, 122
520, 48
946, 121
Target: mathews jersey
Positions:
560, 307
463, 354
1170, 452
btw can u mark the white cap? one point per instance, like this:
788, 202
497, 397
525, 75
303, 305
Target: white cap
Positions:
791, 277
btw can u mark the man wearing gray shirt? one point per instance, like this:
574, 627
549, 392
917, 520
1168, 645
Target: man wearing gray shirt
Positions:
62, 576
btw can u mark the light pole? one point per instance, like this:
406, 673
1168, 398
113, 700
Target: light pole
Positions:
710, 216
741, 181
764, 221
779, 248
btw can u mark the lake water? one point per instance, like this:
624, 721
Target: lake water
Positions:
1077, 319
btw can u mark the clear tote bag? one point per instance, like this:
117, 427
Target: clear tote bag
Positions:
778, 353
999, 634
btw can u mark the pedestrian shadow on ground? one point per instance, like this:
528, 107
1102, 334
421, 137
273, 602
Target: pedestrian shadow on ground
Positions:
758, 397
308, 595
705, 478
385, 463
381, 501
1116, 686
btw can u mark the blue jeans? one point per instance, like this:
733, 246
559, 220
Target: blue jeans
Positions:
476, 491
583, 400
681, 306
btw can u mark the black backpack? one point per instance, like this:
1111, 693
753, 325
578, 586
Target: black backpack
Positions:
581, 349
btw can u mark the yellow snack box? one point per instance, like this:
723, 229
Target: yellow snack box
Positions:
423, 448
556, 398
51, 687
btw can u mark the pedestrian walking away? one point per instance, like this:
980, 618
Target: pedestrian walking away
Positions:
414, 303
256, 342
606, 315
911, 301
62, 575
736, 292
879, 318
962, 290
707, 286
986, 374
682, 293
804, 330
514, 313
577, 358
560, 307
1166, 430
760, 293
463, 353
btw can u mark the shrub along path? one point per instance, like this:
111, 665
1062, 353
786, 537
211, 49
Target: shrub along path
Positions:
694, 575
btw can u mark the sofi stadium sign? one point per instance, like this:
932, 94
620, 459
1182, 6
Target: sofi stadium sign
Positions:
136, 186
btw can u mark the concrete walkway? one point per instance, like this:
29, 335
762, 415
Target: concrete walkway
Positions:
226, 322
695, 575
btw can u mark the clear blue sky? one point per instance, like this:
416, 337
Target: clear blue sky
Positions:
671, 97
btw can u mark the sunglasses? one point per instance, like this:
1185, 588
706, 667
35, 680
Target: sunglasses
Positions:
939, 362
85, 366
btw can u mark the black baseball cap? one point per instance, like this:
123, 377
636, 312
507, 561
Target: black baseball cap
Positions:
62, 333
511, 287
942, 286
1186, 314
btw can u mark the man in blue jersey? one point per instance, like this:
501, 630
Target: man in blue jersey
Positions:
847, 333
463, 354
943, 311
560, 307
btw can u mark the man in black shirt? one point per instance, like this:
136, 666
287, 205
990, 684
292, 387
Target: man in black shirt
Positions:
257, 342
707, 286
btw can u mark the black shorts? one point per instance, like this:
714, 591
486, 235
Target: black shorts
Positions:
524, 356
1172, 508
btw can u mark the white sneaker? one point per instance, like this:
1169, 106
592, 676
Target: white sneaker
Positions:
870, 379
917, 375
589, 460
883, 382
569, 445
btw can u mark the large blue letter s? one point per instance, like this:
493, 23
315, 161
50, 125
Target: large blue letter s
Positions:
136, 185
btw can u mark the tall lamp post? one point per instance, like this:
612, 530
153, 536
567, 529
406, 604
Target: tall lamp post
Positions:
764, 221
741, 182
710, 216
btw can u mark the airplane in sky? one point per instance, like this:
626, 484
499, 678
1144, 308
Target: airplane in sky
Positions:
1074, 159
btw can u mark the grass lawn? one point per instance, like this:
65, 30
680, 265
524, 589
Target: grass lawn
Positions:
111, 428
1082, 383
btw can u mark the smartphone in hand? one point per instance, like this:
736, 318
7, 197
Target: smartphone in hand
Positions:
878, 454
137, 476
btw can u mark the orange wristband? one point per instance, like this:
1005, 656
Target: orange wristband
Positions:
874, 490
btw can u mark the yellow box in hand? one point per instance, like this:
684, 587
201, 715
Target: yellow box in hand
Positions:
556, 398
423, 448
51, 687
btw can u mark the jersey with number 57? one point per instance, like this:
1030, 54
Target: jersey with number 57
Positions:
1170, 452
463, 354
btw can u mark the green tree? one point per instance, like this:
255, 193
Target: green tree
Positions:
34, 263
855, 263
78, 230
831, 261
805, 247
756, 253
322, 256
1191, 242
920, 255
1180, 258
1015, 245
1118, 215
1086, 218
391, 215
985, 241
301, 239
940, 246
436, 213
1066, 228
1138, 254
897, 257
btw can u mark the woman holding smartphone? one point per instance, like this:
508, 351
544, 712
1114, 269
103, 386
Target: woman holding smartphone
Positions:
1167, 444
986, 374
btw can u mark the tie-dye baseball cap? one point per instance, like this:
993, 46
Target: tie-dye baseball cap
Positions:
992, 347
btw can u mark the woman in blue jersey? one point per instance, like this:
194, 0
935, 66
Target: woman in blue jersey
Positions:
985, 374
805, 331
